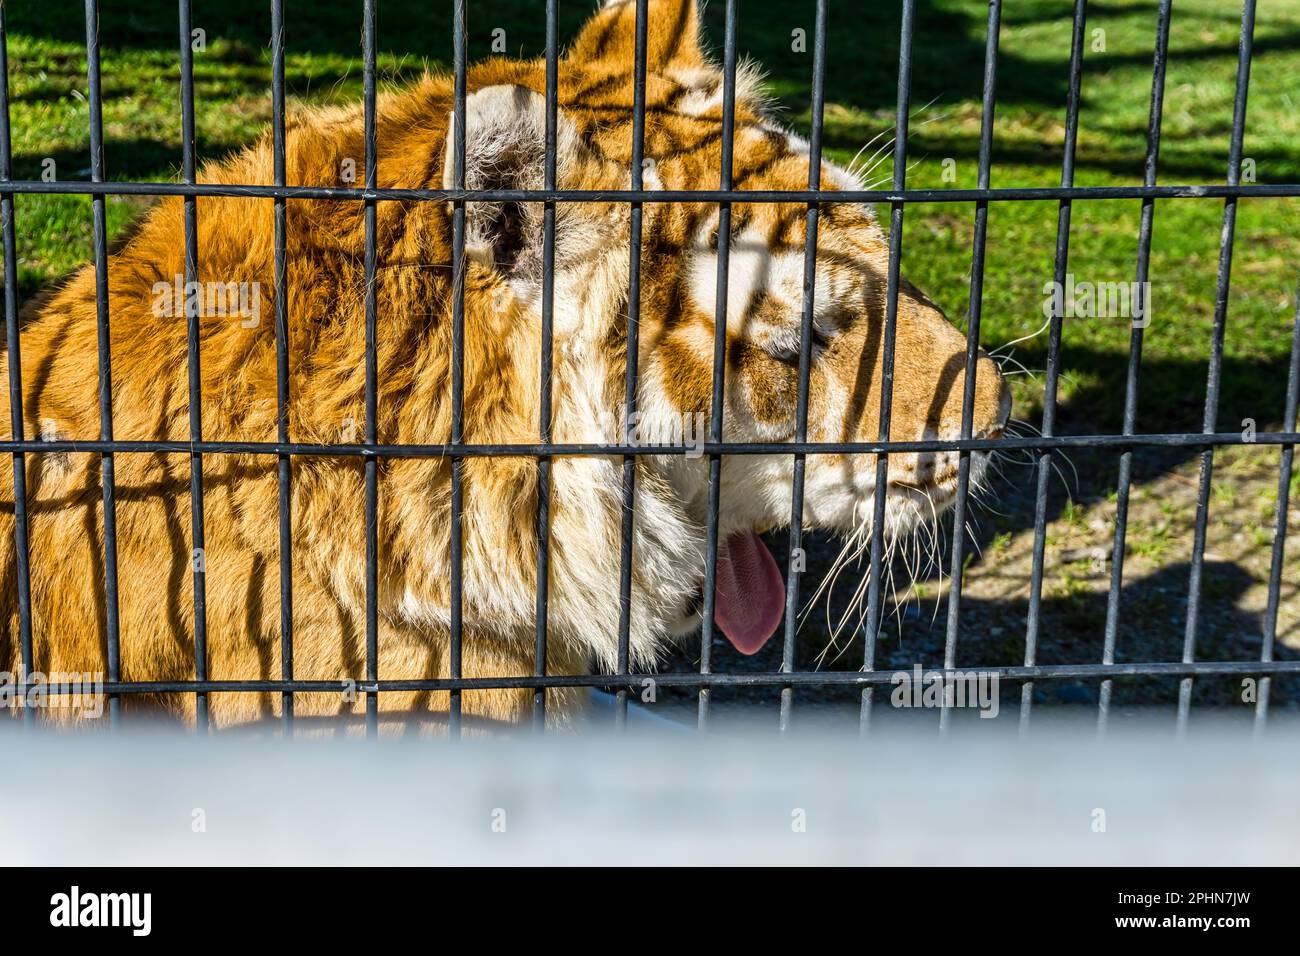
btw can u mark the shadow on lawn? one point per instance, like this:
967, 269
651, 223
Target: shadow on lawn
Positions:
992, 634
1171, 396
862, 57
862, 54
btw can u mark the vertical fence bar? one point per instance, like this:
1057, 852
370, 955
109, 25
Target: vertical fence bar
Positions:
1053, 362
887, 357
1279, 531
719, 352
544, 410
633, 349
972, 347
15, 383
372, 374
811, 217
457, 365
1216, 358
1134, 359
198, 555
95, 97
282, 361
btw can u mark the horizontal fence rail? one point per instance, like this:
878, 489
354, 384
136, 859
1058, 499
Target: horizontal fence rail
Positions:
581, 449
793, 678
799, 196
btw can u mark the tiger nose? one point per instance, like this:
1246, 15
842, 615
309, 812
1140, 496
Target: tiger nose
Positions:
988, 371
1004, 408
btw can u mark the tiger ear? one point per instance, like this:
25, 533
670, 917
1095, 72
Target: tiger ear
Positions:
505, 149
672, 35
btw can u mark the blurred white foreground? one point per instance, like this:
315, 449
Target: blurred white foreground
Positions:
975, 797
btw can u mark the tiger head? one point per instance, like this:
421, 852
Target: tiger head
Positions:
679, 305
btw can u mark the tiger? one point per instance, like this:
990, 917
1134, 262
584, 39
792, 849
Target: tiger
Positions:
504, 270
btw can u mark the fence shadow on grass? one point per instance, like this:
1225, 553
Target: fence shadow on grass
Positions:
862, 53
1150, 629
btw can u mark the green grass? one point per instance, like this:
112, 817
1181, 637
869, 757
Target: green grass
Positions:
142, 128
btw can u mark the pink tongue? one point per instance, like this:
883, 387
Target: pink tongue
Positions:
750, 596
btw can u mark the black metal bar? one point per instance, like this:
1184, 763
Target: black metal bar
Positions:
1279, 532
1074, 672
881, 488
544, 409
633, 354
1053, 359
1125, 481
95, 98
796, 555
576, 449
372, 371
719, 350
284, 473
21, 553
199, 551
956, 568
1216, 358
1001, 194
457, 363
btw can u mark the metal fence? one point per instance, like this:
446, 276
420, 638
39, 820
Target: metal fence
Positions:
898, 197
